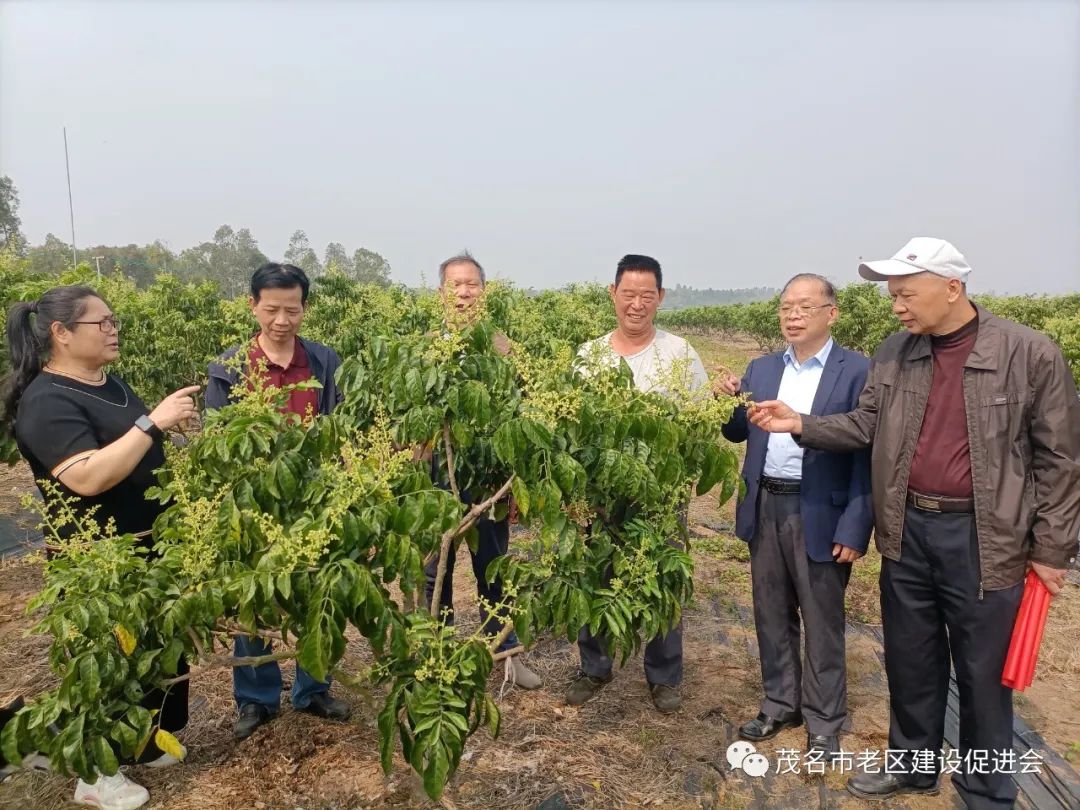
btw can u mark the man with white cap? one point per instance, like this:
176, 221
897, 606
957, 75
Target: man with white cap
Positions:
974, 423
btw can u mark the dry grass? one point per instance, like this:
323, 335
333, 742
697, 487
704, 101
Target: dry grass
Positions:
23, 669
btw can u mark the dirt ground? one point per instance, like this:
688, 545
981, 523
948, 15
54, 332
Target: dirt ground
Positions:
616, 751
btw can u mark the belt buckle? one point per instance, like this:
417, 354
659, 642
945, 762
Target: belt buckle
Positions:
928, 504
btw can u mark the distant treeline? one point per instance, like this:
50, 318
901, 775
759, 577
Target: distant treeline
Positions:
227, 259
681, 296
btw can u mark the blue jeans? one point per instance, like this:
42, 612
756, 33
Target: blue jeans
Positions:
262, 684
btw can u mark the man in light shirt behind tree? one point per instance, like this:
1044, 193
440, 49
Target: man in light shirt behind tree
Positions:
655, 357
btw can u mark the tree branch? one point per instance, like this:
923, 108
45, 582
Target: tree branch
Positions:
197, 642
470, 518
440, 572
450, 459
234, 629
219, 661
499, 656
496, 642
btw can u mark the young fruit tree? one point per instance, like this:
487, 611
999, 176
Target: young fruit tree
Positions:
294, 530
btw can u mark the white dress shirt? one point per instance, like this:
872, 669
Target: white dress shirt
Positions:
798, 386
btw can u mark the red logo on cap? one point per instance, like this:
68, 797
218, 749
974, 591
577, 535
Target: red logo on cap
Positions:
911, 257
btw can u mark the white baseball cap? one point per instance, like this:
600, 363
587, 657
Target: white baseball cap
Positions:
923, 254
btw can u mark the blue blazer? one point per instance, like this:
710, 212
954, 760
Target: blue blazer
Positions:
836, 505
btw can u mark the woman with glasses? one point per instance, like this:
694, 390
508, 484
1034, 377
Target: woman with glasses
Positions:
86, 432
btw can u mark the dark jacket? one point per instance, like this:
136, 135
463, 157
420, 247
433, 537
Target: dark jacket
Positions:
323, 360
835, 501
1023, 419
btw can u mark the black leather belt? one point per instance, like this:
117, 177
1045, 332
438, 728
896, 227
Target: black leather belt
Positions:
940, 503
781, 486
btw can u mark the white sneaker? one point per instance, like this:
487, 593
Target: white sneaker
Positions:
111, 793
166, 760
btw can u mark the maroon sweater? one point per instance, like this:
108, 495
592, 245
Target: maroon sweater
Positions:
302, 403
942, 462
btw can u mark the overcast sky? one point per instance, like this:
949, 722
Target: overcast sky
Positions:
738, 142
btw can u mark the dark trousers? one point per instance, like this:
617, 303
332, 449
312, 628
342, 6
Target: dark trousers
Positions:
663, 657
663, 654
493, 541
787, 584
931, 611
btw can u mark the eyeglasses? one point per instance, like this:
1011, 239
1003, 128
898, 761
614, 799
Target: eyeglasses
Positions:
801, 309
112, 323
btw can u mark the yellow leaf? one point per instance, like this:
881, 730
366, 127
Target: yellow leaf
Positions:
125, 639
169, 744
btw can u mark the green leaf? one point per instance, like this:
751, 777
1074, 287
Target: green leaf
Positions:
323, 641
435, 773
170, 656
73, 738
505, 442
409, 517
537, 433
387, 727
126, 736
521, 495
350, 530
105, 757
287, 480
568, 473
284, 585
89, 677
414, 386
727, 489
9, 740
494, 716
711, 470
145, 661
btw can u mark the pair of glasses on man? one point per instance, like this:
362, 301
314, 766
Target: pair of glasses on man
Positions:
800, 309
110, 324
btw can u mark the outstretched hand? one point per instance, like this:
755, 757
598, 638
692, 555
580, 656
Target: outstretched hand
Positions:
774, 416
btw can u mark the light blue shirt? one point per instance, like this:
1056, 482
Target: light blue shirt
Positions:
798, 386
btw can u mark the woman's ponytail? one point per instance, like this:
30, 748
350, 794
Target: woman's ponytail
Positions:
28, 340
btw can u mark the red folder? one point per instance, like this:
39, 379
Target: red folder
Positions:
1027, 635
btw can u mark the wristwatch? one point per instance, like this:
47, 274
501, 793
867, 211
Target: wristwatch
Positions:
147, 426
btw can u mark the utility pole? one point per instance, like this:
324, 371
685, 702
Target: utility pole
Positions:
97, 261
71, 207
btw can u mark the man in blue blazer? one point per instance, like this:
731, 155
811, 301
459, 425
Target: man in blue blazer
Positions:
806, 515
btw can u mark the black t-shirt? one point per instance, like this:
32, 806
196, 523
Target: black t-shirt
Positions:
60, 418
